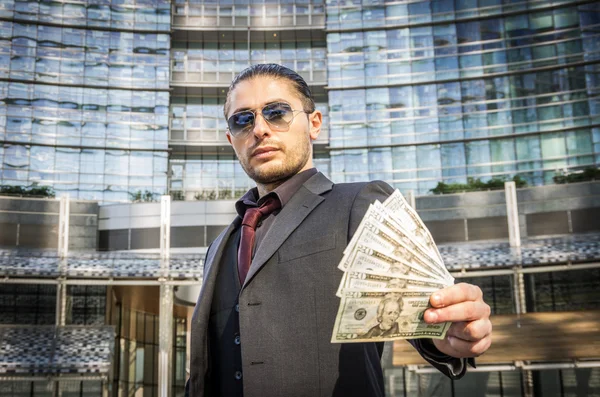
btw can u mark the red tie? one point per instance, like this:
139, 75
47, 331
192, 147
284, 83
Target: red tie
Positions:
251, 218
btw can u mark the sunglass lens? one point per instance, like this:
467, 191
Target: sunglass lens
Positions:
278, 114
240, 121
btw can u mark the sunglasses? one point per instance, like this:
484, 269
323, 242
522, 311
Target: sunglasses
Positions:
279, 115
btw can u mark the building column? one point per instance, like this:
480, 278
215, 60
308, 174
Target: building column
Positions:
512, 214
61, 307
165, 226
165, 340
521, 308
63, 227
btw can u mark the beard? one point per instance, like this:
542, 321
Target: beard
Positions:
273, 172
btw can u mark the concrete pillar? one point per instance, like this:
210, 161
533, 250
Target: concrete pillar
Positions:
165, 226
512, 214
61, 307
61, 303
519, 292
165, 340
63, 227
105, 387
392, 385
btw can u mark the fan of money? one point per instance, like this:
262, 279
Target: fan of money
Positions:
391, 267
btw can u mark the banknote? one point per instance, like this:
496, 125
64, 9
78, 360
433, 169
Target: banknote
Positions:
379, 238
370, 261
409, 218
380, 316
371, 231
379, 230
356, 281
391, 267
425, 251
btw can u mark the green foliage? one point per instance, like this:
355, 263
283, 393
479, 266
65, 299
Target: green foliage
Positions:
588, 174
206, 195
142, 197
27, 191
177, 195
475, 185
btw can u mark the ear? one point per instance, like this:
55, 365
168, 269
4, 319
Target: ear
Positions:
228, 137
315, 120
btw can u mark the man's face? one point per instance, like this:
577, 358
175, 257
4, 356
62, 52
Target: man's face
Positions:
391, 312
268, 155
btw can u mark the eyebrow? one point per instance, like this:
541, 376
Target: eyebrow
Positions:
276, 100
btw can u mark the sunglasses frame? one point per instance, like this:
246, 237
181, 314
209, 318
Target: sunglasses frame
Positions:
254, 112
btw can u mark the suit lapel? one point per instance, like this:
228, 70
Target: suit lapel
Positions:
214, 257
306, 199
211, 266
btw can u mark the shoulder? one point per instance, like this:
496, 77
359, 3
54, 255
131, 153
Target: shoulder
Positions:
377, 190
361, 195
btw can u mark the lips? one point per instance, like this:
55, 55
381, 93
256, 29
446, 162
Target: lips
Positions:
264, 151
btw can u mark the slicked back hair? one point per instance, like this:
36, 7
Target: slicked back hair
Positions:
274, 71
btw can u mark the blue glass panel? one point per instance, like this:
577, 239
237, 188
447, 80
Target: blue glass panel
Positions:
478, 158
453, 163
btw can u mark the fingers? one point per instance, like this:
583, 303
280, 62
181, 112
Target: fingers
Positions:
461, 348
471, 331
465, 311
455, 294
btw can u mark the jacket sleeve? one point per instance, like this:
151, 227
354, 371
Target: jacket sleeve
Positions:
454, 368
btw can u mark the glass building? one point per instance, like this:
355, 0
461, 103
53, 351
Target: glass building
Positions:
121, 100
446, 90
84, 97
109, 101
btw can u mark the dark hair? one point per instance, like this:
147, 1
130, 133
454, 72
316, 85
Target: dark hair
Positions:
278, 72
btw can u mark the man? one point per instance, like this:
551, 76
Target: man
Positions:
265, 314
388, 312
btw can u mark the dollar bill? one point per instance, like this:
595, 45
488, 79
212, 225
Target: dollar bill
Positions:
370, 261
379, 316
375, 234
379, 239
380, 231
356, 281
409, 218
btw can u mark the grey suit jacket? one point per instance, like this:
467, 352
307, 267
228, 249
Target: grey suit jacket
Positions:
287, 305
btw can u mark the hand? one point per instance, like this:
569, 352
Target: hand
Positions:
470, 334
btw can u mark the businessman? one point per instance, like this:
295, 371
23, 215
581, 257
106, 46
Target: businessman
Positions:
266, 310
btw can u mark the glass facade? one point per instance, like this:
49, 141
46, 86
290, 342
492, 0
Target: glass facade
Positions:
84, 97
578, 382
563, 291
413, 94
194, 14
404, 383
136, 356
148, 15
216, 57
446, 100
66, 55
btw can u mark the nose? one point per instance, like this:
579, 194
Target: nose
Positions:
261, 127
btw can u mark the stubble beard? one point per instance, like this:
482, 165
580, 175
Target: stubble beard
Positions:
293, 163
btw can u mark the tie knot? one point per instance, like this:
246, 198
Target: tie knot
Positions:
253, 215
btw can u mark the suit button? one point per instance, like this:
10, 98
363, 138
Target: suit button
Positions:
237, 308
237, 340
238, 375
